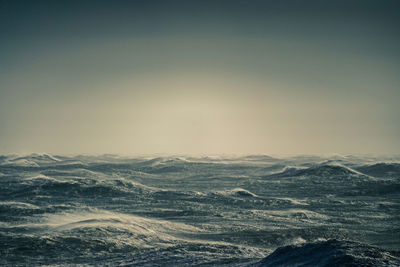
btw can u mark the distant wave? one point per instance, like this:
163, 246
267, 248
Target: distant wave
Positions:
239, 192
331, 253
91, 185
319, 170
31, 160
381, 169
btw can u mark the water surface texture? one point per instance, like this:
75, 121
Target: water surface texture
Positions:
209, 211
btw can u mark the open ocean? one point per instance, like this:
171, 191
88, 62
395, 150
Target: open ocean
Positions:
199, 211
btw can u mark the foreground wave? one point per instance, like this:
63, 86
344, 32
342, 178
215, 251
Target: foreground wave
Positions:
331, 253
169, 211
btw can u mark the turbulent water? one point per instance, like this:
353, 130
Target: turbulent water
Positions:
210, 211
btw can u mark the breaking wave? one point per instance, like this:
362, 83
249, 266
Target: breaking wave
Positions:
325, 170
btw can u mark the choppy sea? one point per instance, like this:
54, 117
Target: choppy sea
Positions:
199, 211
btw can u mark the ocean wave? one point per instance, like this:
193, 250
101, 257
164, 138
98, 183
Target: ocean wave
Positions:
11, 209
292, 201
78, 186
238, 192
101, 226
381, 169
20, 162
31, 160
288, 171
96, 218
321, 170
17, 205
290, 214
330, 253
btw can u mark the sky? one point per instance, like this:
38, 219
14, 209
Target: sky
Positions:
200, 77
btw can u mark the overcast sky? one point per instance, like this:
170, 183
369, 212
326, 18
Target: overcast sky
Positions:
200, 77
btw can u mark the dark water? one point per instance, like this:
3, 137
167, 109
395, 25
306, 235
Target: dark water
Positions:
177, 211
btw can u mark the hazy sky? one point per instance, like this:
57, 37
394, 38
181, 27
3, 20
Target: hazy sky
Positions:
206, 77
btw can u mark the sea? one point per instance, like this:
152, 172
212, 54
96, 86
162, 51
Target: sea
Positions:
253, 210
